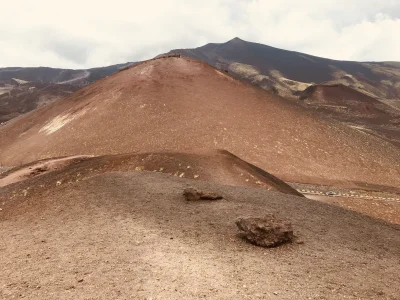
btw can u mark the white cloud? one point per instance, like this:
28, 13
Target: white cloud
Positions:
80, 34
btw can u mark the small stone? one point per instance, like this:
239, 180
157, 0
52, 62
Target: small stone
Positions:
192, 194
80, 280
71, 287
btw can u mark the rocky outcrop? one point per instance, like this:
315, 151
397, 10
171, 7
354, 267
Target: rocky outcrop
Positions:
265, 232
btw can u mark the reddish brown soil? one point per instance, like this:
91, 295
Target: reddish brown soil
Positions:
181, 104
215, 165
134, 236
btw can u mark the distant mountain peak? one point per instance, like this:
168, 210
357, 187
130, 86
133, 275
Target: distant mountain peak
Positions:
236, 40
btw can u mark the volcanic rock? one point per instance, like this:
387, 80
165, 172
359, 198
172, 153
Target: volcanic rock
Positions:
192, 194
266, 232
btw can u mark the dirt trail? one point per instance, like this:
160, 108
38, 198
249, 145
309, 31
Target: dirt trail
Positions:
83, 75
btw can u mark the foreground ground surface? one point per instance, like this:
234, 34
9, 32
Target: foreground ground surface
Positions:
133, 236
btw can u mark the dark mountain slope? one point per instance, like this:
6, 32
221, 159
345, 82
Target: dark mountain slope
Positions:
286, 70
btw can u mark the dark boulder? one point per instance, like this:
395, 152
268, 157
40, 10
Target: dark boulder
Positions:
265, 232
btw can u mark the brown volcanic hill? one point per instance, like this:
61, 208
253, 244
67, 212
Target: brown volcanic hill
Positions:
289, 73
132, 235
183, 104
217, 166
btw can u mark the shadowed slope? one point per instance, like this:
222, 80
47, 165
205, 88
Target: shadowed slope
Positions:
17, 99
46, 75
354, 108
345, 102
183, 104
25, 89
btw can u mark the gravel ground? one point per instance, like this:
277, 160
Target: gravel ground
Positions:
5, 169
133, 236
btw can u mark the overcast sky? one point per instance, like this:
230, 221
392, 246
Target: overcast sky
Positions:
86, 33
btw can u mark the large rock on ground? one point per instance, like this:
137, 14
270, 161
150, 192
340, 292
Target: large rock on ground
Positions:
192, 194
266, 232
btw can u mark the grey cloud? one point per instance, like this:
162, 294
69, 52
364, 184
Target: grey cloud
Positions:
69, 50
131, 30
